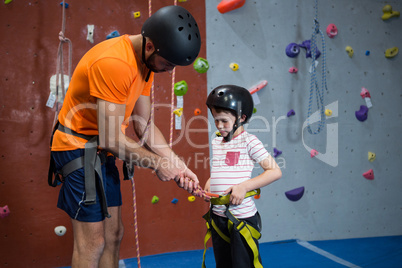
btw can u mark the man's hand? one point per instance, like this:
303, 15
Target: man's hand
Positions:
188, 180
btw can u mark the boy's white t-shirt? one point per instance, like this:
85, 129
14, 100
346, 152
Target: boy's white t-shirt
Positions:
232, 163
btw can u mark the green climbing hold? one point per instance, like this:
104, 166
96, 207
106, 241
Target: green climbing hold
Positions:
155, 199
201, 65
180, 88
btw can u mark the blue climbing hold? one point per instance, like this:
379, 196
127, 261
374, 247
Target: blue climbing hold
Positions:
295, 194
112, 35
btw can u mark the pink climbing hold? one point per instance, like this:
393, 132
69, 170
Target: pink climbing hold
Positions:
293, 70
369, 174
295, 194
313, 153
332, 30
4, 212
365, 93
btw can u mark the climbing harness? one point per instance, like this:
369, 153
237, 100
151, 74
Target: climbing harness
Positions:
246, 230
313, 77
91, 162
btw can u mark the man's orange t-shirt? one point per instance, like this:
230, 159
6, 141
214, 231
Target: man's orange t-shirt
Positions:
110, 71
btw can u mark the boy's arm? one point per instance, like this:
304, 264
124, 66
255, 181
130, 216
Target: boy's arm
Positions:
271, 173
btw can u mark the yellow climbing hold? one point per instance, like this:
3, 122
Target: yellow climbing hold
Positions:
178, 112
350, 51
389, 13
191, 198
371, 156
391, 52
328, 112
234, 66
137, 15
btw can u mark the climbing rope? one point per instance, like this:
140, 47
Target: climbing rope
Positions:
172, 103
60, 62
313, 81
129, 167
172, 109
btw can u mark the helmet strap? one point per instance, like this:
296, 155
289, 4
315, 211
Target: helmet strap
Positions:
144, 41
231, 133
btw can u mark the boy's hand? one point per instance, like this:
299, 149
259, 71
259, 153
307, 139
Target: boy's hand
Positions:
237, 194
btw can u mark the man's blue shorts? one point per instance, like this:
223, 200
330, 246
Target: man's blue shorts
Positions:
72, 192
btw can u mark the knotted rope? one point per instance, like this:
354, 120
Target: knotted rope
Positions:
313, 78
60, 62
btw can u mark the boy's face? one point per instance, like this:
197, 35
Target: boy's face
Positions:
224, 121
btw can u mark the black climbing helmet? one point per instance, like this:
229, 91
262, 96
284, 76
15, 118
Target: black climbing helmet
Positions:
235, 98
174, 33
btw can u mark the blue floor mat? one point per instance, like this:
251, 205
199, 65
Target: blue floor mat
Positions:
378, 252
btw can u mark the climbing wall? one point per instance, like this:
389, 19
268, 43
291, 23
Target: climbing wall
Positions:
338, 201
28, 50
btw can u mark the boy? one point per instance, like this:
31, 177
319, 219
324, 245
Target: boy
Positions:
233, 157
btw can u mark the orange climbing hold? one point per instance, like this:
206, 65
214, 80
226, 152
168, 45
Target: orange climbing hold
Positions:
229, 5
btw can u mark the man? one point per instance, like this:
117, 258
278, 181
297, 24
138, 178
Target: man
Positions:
110, 85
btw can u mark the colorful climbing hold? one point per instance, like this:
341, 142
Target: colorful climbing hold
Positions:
258, 87
254, 110
293, 70
155, 199
292, 50
218, 134
229, 5
174, 201
290, 113
313, 153
4, 211
180, 88
391, 52
307, 45
365, 93
137, 14
367, 52
371, 156
295, 194
350, 51
113, 35
201, 65
332, 30
234, 66
60, 230
277, 152
257, 196
178, 111
65, 4
369, 174
361, 114
191, 198
197, 111
389, 13
328, 112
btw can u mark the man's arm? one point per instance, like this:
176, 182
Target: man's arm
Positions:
156, 141
112, 139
